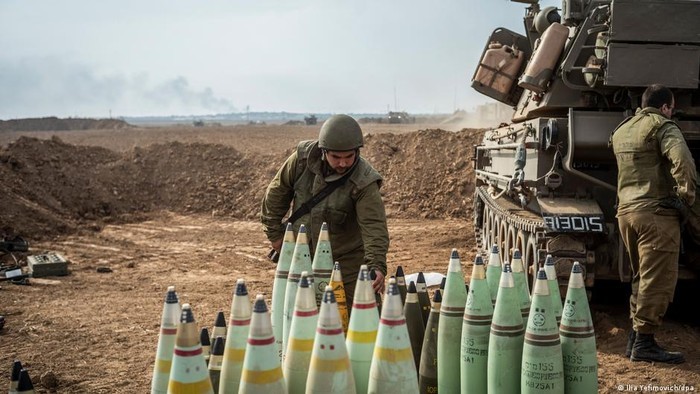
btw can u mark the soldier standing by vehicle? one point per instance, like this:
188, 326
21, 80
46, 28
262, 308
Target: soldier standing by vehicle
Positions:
353, 209
656, 173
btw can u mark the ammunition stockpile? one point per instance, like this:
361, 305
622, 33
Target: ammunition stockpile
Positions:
512, 343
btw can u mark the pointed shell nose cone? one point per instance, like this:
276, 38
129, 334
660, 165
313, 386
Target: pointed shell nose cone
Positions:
495, 258
363, 290
25, 382
421, 278
16, 368
517, 254
393, 289
302, 237
337, 274
479, 269
323, 234
364, 273
329, 316
411, 287
186, 316
289, 233
204, 337
171, 296
328, 296
260, 322
399, 271
218, 347
260, 305
549, 268
393, 308
541, 286
437, 297
576, 269
576, 277
241, 289
454, 254
304, 281
220, 319
549, 260
506, 277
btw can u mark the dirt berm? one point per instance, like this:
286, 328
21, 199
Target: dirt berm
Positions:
52, 187
178, 206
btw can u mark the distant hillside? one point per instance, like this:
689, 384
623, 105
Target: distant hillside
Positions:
270, 118
55, 124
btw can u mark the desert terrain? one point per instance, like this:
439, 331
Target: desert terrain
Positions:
136, 210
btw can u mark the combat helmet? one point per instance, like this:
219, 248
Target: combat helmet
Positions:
340, 133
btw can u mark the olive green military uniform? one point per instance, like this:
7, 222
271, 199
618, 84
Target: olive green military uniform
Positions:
654, 163
354, 211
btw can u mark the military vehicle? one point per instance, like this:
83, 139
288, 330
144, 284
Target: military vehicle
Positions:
310, 120
546, 182
395, 117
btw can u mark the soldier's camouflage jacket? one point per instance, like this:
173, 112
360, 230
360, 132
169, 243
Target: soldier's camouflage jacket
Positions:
354, 211
653, 161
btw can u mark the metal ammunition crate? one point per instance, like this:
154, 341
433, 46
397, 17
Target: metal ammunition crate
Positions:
49, 264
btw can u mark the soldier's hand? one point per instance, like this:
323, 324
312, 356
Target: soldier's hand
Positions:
680, 206
378, 284
274, 253
277, 245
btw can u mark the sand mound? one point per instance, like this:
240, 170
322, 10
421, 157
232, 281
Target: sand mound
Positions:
52, 187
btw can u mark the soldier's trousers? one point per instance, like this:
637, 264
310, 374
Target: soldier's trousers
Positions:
653, 241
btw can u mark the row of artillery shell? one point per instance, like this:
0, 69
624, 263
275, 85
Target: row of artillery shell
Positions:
506, 350
330, 364
295, 258
497, 353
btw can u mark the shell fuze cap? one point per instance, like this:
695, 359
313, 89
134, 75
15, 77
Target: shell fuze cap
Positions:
340, 133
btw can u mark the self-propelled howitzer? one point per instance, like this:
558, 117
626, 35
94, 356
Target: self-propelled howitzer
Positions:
546, 182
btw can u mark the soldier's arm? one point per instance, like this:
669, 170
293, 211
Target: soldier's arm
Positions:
371, 217
675, 149
277, 199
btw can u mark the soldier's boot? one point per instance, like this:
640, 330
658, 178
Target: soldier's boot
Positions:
646, 349
630, 343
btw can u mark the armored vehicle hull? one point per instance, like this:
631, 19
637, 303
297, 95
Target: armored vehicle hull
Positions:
546, 182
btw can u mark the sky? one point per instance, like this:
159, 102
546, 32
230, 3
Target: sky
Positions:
86, 58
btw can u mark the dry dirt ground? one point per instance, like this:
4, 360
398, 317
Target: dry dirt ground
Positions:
177, 206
